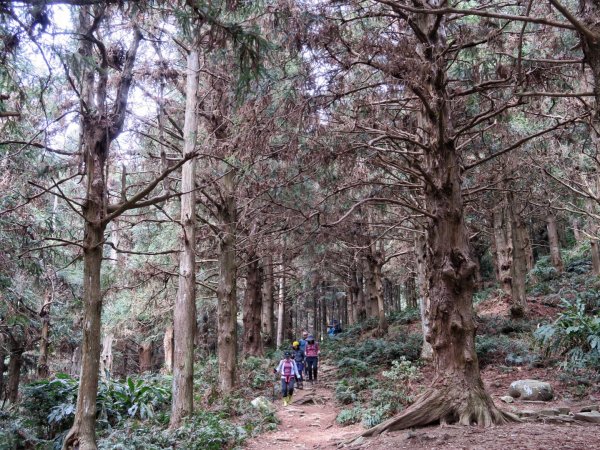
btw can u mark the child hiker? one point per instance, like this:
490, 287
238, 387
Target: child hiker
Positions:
299, 359
289, 371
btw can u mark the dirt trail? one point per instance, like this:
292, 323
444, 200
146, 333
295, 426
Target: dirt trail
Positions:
308, 425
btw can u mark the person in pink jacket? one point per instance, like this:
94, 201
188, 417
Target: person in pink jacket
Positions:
312, 358
289, 372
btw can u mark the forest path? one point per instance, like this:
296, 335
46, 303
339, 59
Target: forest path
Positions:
309, 422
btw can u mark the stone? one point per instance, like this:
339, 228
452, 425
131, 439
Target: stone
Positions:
263, 404
531, 390
589, 408
507, 399
591, 416
564, 410
558, 419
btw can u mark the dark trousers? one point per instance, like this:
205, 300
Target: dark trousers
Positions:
300, 371
287, 386
311, 367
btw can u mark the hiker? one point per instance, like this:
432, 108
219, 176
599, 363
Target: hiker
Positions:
298, 355
289, 372
303, 341
303, 346
312, 358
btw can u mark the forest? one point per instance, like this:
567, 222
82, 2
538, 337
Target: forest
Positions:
408, 188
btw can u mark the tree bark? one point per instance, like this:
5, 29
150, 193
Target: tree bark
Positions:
504, 247
42, 365
226, 291
106, 357
14, 371
2, 364
268, 303
554, 243
518, 307
168, 343
281, 307
422, 281
376, 262
145, 351
252, 344
184, 314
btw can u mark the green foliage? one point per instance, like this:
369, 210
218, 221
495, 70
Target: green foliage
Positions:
374, 416
351, 366
406, 316
349, 416
402, 370
50, 404
501, 348
544, 270
574, 336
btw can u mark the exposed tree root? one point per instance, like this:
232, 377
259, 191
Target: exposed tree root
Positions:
447, 405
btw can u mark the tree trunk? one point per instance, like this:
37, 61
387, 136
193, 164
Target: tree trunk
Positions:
519, 261
226, 292
2, 364
42, 365
14, 372
252, 309
184, 313
576, 225
504, 247
554, 243
315, 302
456, 393
145, 351
376, 261
267, 304
106, 357
168, 343
99, 128
422, 281
361, 301
281, 307
353, 290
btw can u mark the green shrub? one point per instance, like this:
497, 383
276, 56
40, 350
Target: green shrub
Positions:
374, 416
402, 370
349, 416
350, 366
345, 393
544, 270
50, 404
574, 336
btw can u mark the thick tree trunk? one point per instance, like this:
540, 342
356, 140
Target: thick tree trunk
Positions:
145, 351
168, 343
42, 365
106, 357
371, 289
268, 303
226, 291
184, 314
456, 393
353, 290
519, 260
504, 247
554, 243
252, 309
315, 281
